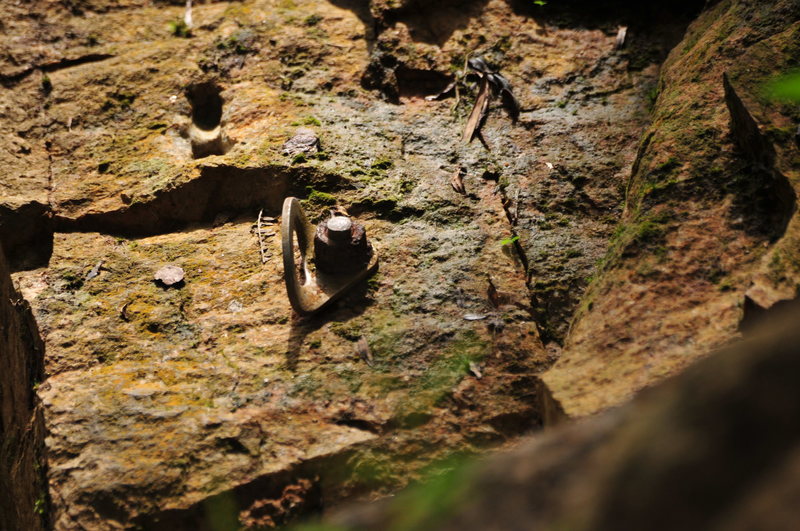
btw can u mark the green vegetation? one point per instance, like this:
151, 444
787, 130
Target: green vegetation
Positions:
317, 198
40, 505
47, 85
312, 20
381, 164
239, 42
308, 120
118, 101
509, 241
178, 28
785, 88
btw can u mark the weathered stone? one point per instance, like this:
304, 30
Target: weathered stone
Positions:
702, 225
304, 141
718, 447
170, 275
24, 503
163, 405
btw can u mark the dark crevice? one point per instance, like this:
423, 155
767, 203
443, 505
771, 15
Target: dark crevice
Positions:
206, 105
206, 134
218, 189
26, 234
11, 79
23, 472
766, 200
755, 316
415, 82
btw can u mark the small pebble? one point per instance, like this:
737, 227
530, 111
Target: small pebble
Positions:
304, 141
169, 275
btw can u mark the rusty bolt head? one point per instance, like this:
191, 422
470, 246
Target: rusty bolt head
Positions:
339, 228
340, 245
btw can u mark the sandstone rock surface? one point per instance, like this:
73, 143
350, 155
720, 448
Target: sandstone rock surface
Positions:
710, 227
131, 143
675, 458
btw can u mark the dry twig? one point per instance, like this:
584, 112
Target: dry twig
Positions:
261, 247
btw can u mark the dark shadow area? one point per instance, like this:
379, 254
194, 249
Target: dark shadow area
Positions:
263, 503
434, 22
206, 105
591, 14
24, 503
755, 316
350, 306
361, 9
218, 189
654, 28
417, 83
26, 233
765, 200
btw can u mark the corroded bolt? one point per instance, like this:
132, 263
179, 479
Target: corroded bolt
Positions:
340, 246
339, 228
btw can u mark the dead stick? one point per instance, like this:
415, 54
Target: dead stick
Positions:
261, 238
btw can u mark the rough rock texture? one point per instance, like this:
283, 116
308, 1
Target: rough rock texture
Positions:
710, 231
676, 458
22, 465
131, 142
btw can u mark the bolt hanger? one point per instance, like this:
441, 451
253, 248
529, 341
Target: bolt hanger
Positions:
311, 290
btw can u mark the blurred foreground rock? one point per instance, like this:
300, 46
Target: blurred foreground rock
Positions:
717, 447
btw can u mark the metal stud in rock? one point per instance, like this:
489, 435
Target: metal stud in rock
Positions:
339, 228
169, 275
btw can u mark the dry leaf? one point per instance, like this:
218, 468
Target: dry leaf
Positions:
491, 292
475, 369
622, 32
363, 351
474, 316
457, 181
94, 272
123, 312
478, 111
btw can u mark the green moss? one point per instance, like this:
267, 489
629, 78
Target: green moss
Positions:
118, 101
47, 85
312, 20
178, 28
239, 42
427, 505
381, 164
308, 120
317, 198
348, 331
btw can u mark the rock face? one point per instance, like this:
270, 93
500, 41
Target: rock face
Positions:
676, 458
709, 235
22, 463
130, 141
